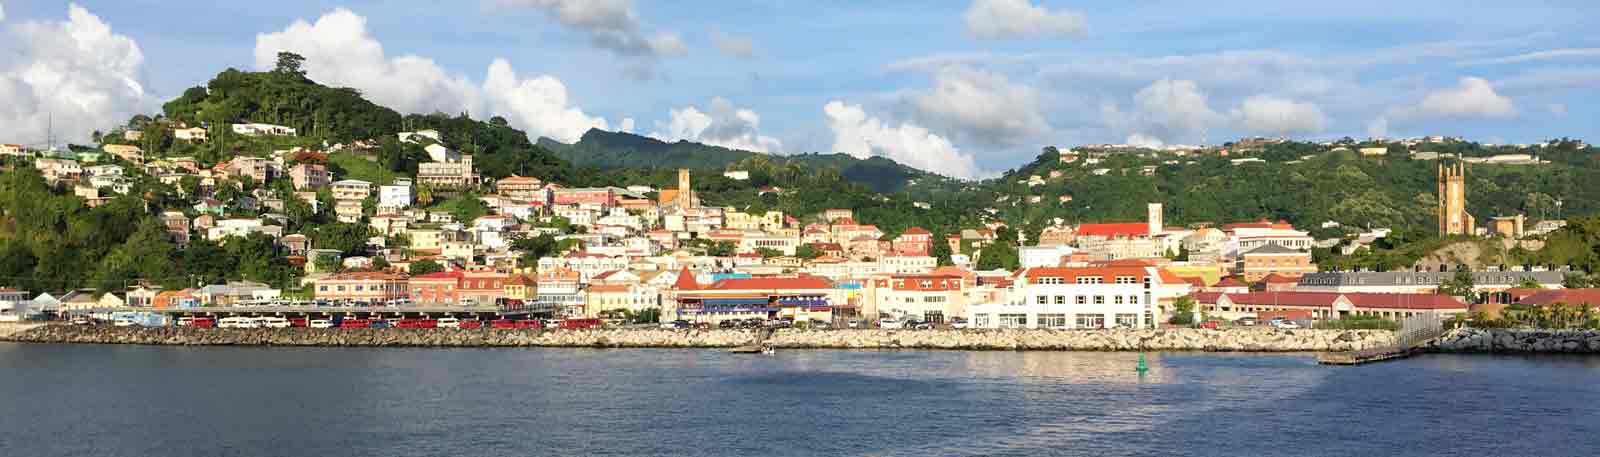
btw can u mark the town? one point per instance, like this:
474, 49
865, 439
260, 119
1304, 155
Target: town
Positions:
539, 253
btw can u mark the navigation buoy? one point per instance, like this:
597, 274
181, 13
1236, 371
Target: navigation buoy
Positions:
1142, 367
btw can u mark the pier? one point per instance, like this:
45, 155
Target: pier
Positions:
1414, 332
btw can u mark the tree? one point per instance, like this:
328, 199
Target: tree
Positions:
379, 263
1182, 311
808, 252
328, 263
290, 64
721, 249
998, 255
1577, 281
767, 253
422, 267
940, 250
1459, 284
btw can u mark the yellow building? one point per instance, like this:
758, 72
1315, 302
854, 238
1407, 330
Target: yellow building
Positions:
1453, 217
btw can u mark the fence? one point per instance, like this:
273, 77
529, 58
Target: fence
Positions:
1413, 331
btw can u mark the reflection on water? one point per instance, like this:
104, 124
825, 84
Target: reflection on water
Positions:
127, 400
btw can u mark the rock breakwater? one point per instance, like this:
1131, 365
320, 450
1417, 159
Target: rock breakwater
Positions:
1517, 340
1253, 340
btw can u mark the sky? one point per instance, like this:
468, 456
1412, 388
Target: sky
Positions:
966, 88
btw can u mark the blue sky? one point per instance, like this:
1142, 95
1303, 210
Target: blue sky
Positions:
967, 88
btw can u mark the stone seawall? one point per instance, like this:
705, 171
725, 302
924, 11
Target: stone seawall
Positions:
1517, 340
1253, 340
10, 328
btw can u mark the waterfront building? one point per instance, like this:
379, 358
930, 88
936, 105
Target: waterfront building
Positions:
1082, 297
1328, 305
370, 287
1422, 282
933, 297
801, 297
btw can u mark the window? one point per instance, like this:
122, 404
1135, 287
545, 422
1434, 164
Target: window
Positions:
1052, 320
1126, 280
934, 299
980, 320
1133, 299
1091, 320
322, 288
1050, 280
1061, 299
1013, 320
1099, 299
1082, 300
1042, 299
1128, 320
1116, 300
1091, 280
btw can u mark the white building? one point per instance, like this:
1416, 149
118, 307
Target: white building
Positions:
1080, 297
1043, 256
262, 129
395, 196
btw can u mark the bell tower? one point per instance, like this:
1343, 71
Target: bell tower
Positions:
1453, 217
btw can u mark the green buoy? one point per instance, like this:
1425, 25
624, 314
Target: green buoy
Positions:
1142, 367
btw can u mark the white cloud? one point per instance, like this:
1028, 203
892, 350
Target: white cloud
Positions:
1536, 56
1280, 116
1472, 96
1015, 18
612, 25
76, 72
722, 125
1145, 141
340, 52
1557, 109
983, 105
863, 136
2, 11
737, 46
1168, 110
627, 125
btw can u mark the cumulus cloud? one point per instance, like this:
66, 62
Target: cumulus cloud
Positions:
861, 135
1472, 96
76, 72
1167, 110
737, 46
722, 124
612, 25
1015, 18
983, 105
1279, 116
340, 52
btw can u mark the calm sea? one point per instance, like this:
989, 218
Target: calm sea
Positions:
174, 401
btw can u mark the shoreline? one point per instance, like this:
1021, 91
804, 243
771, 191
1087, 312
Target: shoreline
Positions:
1467, 340
1204, 340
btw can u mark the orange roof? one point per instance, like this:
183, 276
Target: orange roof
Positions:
685, 281
1069, 274
1168, 277
1230, 282
604, 288
1275, 278
916, 231
798, 282
1114, 230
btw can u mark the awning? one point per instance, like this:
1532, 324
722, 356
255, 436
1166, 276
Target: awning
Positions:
734, 301
738, 310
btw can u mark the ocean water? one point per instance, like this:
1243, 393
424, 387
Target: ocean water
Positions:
67, 400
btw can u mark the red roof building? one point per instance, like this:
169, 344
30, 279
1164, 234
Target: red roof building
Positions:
1564, 296
1328, 305
1116, 230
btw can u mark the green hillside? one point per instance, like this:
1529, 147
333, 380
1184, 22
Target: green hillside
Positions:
617, 150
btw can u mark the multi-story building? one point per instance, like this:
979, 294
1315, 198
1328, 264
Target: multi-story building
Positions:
801, 297
1079, 297
915, 241
1260, 262
351, 189
563, 289
522, 188
310, 176
898, 264
930, 297
126, 152
598, 196
257, 129
1422, 282
1328, 305
447, 174
395, 197
255, 168
348, 211
369, 287
191, 134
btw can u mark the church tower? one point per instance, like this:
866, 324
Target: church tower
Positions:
685, 191
1453, 217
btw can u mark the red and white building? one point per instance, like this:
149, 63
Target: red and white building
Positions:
1327, 305
930, 297
1083, 297
369, 287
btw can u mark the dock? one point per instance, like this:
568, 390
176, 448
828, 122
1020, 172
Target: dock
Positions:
757, 347
1414, 332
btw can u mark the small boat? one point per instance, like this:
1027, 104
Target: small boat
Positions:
750, 349
769, 350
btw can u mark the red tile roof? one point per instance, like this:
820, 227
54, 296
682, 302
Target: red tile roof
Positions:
916, 231
799, 282
1566, 296
1275, 278
1114, 230
685, 281
1069, 274
1230, 282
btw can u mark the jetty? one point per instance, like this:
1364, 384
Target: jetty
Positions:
1415, 332
759, 346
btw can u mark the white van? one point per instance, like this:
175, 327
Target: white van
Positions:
891, 323
272, 322
238, 322
448, 322
321, 323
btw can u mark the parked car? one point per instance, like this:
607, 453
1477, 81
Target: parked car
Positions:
320, 323
81, 320
890, 324
353, 323
855, 323
1246, 321
238, 322
502, 323
272, 322
203, 322
124, 322
298, 322
820, 325
579, 323
183, 321
680, 323
1285, 324
728, 324
1208, 324
956, 322
379, 323
920, 325
448, 322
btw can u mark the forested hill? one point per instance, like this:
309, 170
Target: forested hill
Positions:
617, 150
1305, 183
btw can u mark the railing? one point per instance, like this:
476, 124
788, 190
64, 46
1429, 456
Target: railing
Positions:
1414, 331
